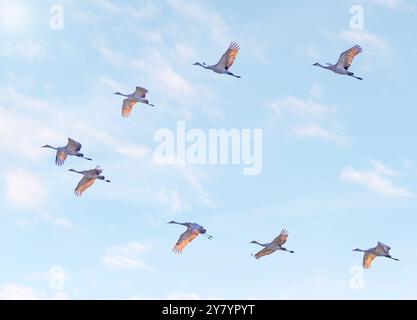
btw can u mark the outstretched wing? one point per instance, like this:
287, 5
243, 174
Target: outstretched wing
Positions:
229, 56
140, 92
368, 257
73, 145
282, 238
346, 58
263, 252
185, 239
82, 185
60, 157
127, 107
383, 247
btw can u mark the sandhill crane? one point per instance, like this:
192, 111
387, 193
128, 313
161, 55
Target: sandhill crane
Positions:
273, 246
72, 148
89, 177
345, 60
381, 250
225, 61
193, 230
131, 99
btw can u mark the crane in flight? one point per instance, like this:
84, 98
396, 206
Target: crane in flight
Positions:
381, 250
225, 61
344, 62
131, 99
71, 149
193, 230
274, 245
89, 176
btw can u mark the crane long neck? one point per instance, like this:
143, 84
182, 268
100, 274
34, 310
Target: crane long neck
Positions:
203, 65
261, 244
181, 223
72, 170
48, 146
122, 94
324, 67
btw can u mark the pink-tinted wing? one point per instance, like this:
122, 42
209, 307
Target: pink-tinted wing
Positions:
60, 157
140, 92
229, 56
346, 58
368, 257
82, 185
282, 238
185, 239
263, 252
127, 107
73, 145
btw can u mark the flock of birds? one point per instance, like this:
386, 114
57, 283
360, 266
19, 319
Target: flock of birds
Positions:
193, 229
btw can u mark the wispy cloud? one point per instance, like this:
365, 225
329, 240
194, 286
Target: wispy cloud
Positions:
312, 118
171, 199
317, 131
33, 115
13, 291
377, 55
126, 256
378, 179
202, 16
24, 188
391, 4
27, 49
302, 108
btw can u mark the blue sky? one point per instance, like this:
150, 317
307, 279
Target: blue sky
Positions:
339, 167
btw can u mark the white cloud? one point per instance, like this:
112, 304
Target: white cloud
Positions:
113, 57
171, 199
309, 50
203, 18
24, 188
377, 179
392, 4
301, 108
377, 52
33, 115
28, 49
56, 220
317, 131
12, 291
142, 10
126, 256
317, 90
312, 118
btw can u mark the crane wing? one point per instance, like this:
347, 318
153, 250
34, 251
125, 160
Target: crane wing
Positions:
282, 238
384, 247
368, 257
185, 239
60, 157
263, 252
73, 145
141, 92
346, 58
84, 183
127, 107
229, 56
